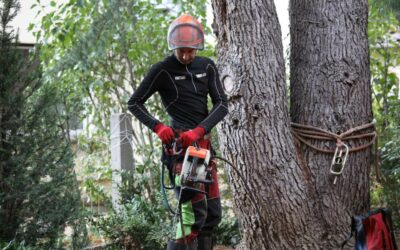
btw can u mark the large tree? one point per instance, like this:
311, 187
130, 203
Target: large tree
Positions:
298, 205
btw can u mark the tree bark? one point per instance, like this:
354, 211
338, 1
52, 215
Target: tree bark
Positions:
297, 206
330, 87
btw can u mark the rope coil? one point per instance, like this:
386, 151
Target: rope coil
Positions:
305, 132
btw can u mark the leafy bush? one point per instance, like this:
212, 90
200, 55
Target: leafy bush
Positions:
390, 154
228, 233
136, 224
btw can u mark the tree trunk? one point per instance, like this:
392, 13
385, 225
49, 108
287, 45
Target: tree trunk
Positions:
330, 87
295, 204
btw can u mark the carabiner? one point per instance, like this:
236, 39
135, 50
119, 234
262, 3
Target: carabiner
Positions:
174, 145
339, 160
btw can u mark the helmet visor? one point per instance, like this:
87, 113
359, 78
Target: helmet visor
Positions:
185, 36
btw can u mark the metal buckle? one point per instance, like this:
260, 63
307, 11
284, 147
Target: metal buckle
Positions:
174, 145
339, 160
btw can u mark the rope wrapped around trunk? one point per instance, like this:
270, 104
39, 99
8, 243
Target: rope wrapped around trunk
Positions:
304, 132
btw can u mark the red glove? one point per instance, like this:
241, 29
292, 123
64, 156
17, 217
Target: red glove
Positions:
191, 136
165, 133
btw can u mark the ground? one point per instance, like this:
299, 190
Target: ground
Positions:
219, 247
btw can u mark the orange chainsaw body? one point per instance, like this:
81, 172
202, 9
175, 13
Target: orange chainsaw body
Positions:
195, 167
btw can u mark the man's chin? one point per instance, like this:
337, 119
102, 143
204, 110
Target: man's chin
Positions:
185, 62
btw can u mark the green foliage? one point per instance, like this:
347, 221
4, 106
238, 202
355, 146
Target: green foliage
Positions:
389, 6
228, 233
137, 223
140, 220
97, 52
12, 245
38, 188
385, 56
390, 156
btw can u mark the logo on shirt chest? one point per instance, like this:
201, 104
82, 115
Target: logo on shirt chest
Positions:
201, 75
180, 78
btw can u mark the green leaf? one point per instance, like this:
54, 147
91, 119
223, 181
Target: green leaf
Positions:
31, 26
79, 3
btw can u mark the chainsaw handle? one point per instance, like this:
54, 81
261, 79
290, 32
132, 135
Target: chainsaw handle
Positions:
176, 145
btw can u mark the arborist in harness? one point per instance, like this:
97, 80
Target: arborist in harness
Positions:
184, 81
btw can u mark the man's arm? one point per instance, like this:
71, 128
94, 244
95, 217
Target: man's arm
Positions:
217, 113
146, 89
218, 98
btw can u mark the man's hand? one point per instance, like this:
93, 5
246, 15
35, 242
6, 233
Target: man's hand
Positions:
191, 136
165, 133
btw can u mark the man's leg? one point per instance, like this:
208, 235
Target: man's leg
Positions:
193, 217
214, 213
205, 238
193, 213
172, 245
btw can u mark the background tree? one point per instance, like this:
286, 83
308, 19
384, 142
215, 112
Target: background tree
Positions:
298, 204
38, 189
385, 57
98, 52
392, 6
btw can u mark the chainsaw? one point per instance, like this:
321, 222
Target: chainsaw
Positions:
196, 168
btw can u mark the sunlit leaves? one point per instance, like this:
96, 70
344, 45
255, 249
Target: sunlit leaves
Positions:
96, 53
385, 56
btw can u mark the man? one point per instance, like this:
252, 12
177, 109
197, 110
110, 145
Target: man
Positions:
184, 81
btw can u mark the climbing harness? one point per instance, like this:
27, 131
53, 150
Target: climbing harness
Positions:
304, 132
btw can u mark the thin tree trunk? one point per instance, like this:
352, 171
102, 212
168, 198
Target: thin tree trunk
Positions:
297, 206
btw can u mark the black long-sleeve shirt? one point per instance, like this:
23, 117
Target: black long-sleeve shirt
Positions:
183, 90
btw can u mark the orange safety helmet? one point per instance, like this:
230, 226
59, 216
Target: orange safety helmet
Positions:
185, 32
